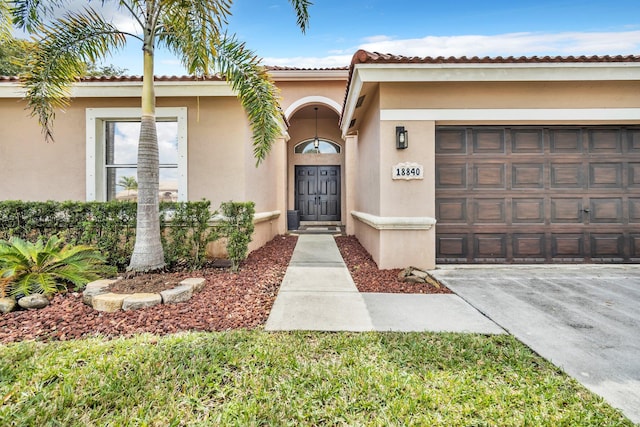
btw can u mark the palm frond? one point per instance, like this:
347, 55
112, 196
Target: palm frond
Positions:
28, 14
60, 57
5, 21
48, 267
190, 30
257, 93
301, 8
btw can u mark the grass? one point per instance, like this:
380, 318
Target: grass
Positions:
258, 378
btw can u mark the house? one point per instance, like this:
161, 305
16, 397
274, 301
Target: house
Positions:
425, 160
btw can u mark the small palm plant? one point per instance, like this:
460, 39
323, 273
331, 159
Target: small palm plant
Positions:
48, 268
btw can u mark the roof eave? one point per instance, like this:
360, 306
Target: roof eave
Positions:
310, 75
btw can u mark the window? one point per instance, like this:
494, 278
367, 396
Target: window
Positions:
112, 150
324, 147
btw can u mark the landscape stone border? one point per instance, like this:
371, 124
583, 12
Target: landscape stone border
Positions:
98, 295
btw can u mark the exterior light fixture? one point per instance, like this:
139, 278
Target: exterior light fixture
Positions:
402, 138
316, 141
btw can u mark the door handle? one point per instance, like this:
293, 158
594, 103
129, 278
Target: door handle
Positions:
587, 210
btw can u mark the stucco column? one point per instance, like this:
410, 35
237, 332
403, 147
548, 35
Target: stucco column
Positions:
350, 173
279, 151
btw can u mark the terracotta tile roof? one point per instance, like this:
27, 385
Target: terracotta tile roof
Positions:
287, 68
365, 57
362, 57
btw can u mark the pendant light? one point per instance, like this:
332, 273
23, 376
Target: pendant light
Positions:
316, 141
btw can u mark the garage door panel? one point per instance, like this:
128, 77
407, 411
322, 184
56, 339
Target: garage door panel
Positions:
489, 211
566, 210
569, 247
605, 175
528, 211
489, 175
634, 240
490, 247
565, 140
605, 141
538, 194
607, 210
527, 175
605, 246
633, 136
528, 247
452, 210
489, 141
527, 141
567, 175
634, 210
452, 247
634, 175
451, 176
452, 142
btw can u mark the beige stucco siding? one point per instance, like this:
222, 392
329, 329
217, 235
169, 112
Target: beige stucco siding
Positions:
369, 161
511, 95
292, 91
35, 170
217, 140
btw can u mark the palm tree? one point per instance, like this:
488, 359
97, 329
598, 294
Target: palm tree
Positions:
193, 30
128, 183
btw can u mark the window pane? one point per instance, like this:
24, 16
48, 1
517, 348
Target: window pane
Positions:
324, 147
122, 184
168, 142
122, 142
168, 185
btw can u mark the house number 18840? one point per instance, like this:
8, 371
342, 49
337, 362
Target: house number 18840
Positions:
407, 171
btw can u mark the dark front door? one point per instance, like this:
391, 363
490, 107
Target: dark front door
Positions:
318, 193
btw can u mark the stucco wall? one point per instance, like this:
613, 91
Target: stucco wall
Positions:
221, 166
35, 170
292, 91
511, 95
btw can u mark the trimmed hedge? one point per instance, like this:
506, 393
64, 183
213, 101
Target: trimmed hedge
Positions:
110, 227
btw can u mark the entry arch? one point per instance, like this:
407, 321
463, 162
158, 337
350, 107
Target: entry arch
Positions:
313, 99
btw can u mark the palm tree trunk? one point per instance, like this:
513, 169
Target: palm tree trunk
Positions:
147, 252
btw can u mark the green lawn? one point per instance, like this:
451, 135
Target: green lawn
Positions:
259, 378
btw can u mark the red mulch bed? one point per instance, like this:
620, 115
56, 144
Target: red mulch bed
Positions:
228, 301
368, 278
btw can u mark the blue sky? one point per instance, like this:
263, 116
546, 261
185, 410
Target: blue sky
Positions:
422, 28
432, 28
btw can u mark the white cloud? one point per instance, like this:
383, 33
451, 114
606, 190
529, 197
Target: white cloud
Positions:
310, 62
518, 44
510, 44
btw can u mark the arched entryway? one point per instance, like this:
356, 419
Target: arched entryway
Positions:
315, 154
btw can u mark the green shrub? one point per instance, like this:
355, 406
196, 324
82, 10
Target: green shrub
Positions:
48, 268
238, 227
186, 232
110, 227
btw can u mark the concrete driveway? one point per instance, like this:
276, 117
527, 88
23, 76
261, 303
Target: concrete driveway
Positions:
583, 318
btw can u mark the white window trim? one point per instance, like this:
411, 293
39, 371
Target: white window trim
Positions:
95, 141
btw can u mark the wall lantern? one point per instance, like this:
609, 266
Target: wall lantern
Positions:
316, 141
402, 138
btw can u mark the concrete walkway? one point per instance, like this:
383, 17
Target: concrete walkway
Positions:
318, 294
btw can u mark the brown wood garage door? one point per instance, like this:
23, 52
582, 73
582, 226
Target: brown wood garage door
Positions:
538, 194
